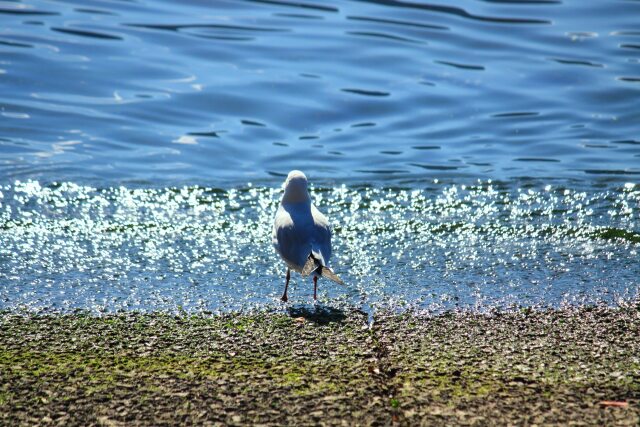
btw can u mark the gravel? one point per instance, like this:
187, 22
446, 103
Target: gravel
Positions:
310, 366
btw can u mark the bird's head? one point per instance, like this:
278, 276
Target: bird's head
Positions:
296, 188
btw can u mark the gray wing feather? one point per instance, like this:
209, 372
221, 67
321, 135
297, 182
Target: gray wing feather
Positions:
293, 246
322, 234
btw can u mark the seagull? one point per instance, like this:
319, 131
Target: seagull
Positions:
301, 234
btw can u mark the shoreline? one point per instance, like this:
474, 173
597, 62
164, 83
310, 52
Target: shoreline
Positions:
554, 366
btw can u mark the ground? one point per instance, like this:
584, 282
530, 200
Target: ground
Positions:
312, 366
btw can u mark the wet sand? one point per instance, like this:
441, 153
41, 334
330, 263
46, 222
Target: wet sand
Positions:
324, 366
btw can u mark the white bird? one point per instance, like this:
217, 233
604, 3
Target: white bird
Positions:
301, 234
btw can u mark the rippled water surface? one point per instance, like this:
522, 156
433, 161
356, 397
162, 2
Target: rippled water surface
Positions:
193, 90
470, 153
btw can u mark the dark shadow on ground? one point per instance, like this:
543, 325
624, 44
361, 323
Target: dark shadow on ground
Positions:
320, 314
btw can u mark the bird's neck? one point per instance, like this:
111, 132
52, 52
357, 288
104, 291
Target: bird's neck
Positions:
296, 197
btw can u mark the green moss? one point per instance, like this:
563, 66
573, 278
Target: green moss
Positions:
97, 373
5, 397
616, 233
292, 378
240, 323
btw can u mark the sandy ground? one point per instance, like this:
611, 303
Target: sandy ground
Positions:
323, 367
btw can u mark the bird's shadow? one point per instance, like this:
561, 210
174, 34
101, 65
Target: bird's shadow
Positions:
319, 314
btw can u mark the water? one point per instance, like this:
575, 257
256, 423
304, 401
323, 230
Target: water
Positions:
478, 154
433, 247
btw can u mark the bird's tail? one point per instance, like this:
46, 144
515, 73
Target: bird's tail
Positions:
313, 264
329, 274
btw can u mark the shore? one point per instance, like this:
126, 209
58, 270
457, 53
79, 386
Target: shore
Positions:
323, 366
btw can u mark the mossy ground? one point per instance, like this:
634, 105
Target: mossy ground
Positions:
322, 367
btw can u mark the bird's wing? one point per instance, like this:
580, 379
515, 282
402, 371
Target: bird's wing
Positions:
321, 239
291, 241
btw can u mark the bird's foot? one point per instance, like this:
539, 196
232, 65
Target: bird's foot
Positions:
284, 298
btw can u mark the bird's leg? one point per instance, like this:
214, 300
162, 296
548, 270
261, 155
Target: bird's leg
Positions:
286, 286
315, 288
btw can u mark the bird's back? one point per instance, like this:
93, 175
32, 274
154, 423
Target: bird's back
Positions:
299, 230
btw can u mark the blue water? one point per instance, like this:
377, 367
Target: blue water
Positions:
475, 154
